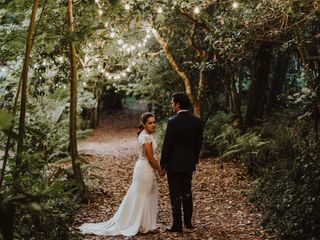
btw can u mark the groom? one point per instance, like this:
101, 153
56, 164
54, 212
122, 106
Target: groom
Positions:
180, 154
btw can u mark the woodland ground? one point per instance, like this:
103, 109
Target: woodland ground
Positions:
221, 209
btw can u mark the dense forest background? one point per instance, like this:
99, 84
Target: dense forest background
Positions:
250, 69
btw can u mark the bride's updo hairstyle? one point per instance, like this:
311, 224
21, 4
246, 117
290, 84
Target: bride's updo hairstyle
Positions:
143, 119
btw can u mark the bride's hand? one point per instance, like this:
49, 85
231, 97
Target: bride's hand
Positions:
162, 173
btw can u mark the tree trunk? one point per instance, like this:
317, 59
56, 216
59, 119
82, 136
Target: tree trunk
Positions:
196, 102
277, 81
23, 99
312, 83
73, 111
259, 84
234, 103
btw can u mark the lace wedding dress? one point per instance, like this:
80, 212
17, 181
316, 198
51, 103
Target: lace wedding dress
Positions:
138, 210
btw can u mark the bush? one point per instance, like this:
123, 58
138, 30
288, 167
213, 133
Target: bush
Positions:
218, 135
289, 197
288, 193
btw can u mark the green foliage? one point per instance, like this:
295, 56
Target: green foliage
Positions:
289, 197
287, 189
249, 149
218, 134
47, 213
5, 119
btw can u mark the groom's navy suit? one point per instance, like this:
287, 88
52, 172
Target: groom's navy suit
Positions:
180, 154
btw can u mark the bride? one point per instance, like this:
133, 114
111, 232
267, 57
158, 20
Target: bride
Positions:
138, 210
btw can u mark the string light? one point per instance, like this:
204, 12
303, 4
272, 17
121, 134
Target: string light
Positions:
60, 59
235, 5
127, 7
196, 10
130, 48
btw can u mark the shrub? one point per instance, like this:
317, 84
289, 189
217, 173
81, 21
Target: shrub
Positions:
288, 193
218, 134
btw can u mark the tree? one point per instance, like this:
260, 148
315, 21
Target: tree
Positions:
23, 99
73, 109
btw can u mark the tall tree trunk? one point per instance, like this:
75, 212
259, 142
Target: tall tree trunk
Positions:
259, 84
23, 99
14, 109
195, 101
312, 75
73, 111
277, 81
9, 213
311, 78
234, 103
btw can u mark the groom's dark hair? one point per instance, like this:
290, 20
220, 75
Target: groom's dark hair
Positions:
182, 99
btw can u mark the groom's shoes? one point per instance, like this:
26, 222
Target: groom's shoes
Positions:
188, 228
174, 229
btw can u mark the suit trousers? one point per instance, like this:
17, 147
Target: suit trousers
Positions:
180, 192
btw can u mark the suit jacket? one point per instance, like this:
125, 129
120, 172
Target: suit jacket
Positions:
182, 143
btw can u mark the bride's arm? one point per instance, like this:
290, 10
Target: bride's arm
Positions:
149, 154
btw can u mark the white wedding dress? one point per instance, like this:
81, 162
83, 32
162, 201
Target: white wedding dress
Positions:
138, 210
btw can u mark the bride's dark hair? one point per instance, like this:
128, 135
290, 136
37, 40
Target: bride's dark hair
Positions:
143, 119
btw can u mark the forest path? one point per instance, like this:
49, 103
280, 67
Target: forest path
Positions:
221, 210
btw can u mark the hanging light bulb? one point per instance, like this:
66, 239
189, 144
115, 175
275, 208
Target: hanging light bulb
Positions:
196, 10
159, 10
112, 34
128, 49
60, 59
127, 7
235, 5
120, 42
132, 48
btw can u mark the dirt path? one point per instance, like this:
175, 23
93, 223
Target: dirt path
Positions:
220, 207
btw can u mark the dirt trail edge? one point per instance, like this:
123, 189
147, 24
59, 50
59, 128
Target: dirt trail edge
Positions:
221, 210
